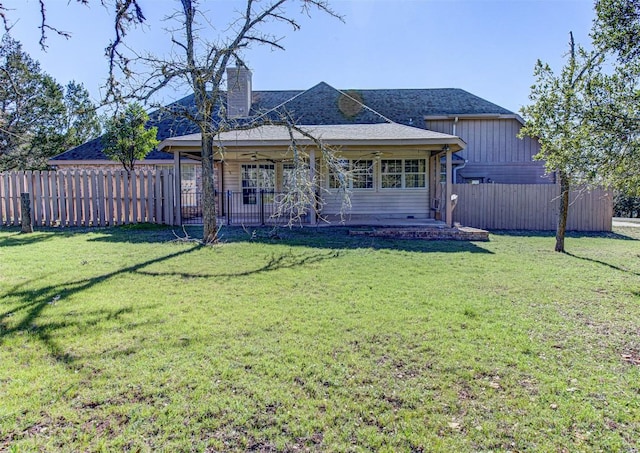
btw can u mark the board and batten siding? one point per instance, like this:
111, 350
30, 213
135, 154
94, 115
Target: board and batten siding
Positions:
494, 152
530, 207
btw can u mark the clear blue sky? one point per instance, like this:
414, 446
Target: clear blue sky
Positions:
487, 47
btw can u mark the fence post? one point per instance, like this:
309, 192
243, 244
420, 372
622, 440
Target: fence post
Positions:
25, 205
228, 207
261, 206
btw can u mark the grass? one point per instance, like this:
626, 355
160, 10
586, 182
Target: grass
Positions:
119, 339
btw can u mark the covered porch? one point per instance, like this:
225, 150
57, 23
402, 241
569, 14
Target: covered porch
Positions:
395, 174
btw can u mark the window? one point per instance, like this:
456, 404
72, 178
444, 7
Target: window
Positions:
359, 174
391, 173
403, 173
292, 175
256, 177
334, 181
188, 178
362, 174
415, 173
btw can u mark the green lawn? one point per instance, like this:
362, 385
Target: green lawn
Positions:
120, 339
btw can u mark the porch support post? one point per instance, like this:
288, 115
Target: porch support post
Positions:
434, 184
177, 213
313, 219
449, 190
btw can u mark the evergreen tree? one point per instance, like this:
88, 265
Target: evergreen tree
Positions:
39, 117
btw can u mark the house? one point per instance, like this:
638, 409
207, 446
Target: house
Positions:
400, 145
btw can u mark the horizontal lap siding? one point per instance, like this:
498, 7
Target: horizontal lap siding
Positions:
396, 203
385, 202
231, 176
530, 207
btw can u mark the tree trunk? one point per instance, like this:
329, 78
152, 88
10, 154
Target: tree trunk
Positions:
25, 206
209, 208
564, 210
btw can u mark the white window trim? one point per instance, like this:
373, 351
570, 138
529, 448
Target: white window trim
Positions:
374, 177
404, 174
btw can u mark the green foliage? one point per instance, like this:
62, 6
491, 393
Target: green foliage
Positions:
126, 139
617, 28
615, 94
31, 110
587, 118
626, 206
557, 117
317, 341
82, 122
38, 117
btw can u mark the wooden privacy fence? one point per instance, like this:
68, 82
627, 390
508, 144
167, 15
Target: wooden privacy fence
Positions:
530, 207
89, 198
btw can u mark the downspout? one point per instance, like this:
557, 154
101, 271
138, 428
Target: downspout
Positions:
455, 171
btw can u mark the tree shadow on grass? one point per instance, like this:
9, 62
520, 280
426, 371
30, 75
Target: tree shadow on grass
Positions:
339, 238
33, 302
134, 233
602, 263
286, 260
15, 239
334, 237
569, 234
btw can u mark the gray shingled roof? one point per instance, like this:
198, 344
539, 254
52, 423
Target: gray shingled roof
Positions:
323, 105
334, 134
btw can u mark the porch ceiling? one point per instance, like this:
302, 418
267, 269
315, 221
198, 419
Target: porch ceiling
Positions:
350, 135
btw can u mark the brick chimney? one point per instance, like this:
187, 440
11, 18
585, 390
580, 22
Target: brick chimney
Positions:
238, 92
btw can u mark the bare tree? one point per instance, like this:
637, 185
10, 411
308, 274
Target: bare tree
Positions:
201, 65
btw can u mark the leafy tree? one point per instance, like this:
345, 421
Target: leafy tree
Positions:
557, 118
126, 139
626, 206
39, 118
615, 94
587, 118
617, 28
81, 121
31, 107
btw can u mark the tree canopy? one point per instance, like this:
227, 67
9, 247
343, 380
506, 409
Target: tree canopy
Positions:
126, 139
40, 118
587, 116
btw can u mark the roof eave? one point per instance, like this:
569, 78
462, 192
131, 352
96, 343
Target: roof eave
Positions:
477, 116
172, 146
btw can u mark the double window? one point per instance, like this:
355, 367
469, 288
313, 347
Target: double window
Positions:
403, 173
394, 174
359, 174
